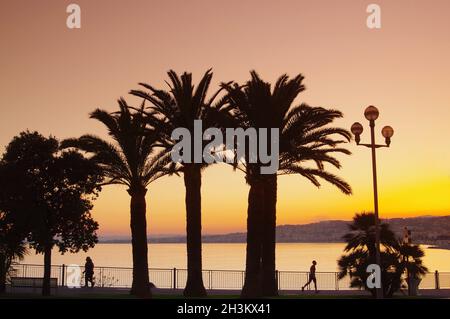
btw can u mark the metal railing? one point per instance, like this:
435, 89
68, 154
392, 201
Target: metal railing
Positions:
173, 278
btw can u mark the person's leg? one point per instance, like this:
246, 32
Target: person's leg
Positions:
315, 283
86, 280
307, 283
303, 287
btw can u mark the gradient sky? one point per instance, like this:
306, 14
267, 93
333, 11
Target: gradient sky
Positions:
51, 77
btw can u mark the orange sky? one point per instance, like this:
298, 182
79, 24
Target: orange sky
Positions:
52, 77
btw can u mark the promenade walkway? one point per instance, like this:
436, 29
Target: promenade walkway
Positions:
64, 292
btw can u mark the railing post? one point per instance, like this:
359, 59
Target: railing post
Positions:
174, 278
101, 276
63, 275
210, 279
436, 279
277, 278
336, 280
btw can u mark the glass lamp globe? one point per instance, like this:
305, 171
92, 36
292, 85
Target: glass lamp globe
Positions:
357, 128
387, 132
371, 113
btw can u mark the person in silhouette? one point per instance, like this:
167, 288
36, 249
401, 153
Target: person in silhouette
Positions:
89, 272
312, 276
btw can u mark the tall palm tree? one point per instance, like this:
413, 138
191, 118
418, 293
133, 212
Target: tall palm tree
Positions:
132, 160
304, 138
179, 108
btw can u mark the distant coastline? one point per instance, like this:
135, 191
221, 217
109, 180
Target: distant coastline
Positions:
440, 246
429, 230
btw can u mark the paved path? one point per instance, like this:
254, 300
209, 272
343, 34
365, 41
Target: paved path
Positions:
105, 292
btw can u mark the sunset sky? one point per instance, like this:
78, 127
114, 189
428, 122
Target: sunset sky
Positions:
51, 77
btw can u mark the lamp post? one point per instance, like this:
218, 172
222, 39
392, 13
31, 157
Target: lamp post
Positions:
371, 113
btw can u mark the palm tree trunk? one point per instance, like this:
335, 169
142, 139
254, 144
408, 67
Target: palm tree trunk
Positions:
253, 267
141, 284
270, 285
47, 270
2, 273
192, 181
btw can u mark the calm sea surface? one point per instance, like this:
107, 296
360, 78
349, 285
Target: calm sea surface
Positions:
290, 256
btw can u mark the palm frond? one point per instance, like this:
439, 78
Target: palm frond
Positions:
126, 160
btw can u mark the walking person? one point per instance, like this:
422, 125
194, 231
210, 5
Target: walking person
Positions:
312, 276
89, 272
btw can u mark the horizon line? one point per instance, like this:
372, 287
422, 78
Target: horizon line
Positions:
169, 235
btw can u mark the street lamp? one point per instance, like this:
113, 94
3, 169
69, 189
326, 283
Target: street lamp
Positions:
371, 113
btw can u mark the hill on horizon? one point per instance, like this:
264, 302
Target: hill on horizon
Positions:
425, 230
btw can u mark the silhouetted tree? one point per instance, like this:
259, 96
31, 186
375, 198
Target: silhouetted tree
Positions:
13, 226
132, 160
304, 138
360, 253
410, 262
52, 196
179, 108
12, 247
362, 234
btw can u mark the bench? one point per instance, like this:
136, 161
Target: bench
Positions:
31, 282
